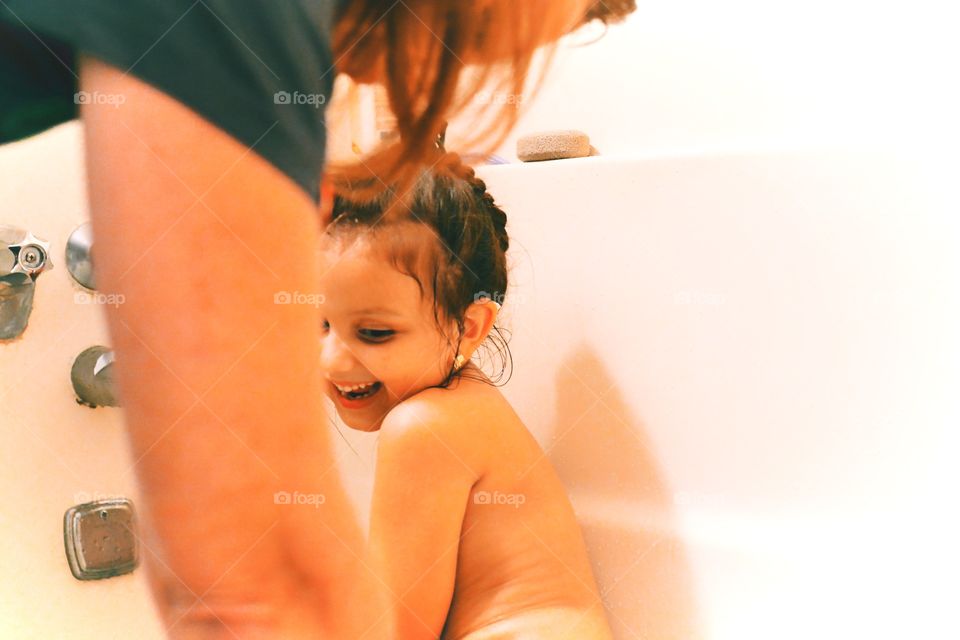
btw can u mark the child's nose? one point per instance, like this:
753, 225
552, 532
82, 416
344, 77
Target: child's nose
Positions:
335, 356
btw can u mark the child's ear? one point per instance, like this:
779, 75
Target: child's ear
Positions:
477, 323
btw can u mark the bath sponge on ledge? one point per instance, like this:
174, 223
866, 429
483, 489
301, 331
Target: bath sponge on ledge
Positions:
553, 145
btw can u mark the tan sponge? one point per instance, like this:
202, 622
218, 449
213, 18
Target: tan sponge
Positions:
553, 145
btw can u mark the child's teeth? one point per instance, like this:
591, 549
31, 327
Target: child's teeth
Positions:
356, 387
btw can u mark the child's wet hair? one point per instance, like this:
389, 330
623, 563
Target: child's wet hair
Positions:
447, 234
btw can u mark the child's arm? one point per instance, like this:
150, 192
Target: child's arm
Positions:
423, 482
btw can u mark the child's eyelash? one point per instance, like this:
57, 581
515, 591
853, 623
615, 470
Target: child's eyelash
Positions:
376, 335
370, 335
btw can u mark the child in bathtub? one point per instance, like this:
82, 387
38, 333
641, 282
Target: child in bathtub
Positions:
471, 532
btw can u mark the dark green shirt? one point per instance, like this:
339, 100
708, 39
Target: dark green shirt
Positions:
261, 70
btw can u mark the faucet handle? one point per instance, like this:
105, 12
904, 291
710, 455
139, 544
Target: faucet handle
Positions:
92, 378
31, 256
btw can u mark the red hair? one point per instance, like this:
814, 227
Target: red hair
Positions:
419, 50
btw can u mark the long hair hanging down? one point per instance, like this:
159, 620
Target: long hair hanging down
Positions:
420, 50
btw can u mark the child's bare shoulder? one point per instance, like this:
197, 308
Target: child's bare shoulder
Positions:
466, 419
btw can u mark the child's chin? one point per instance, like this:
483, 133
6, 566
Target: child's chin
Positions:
361, 426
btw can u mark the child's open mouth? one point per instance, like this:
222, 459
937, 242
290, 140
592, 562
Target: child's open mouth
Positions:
355, 396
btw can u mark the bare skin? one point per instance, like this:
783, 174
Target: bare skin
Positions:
471, 532
221, 394
184, 214
521, 565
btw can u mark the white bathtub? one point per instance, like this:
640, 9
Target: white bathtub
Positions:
743, 366
746, 367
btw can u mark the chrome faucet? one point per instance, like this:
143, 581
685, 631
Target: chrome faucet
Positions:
23, 257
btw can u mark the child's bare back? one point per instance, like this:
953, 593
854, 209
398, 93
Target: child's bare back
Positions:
521, 565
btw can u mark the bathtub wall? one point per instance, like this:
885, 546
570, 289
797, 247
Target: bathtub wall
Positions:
745, 369
55, 453
694, 75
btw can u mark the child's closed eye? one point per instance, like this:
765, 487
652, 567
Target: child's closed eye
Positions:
376, 335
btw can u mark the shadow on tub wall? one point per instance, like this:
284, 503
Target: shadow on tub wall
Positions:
623, 503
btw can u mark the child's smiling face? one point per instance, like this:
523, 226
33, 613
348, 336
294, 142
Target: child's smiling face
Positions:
377, 328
